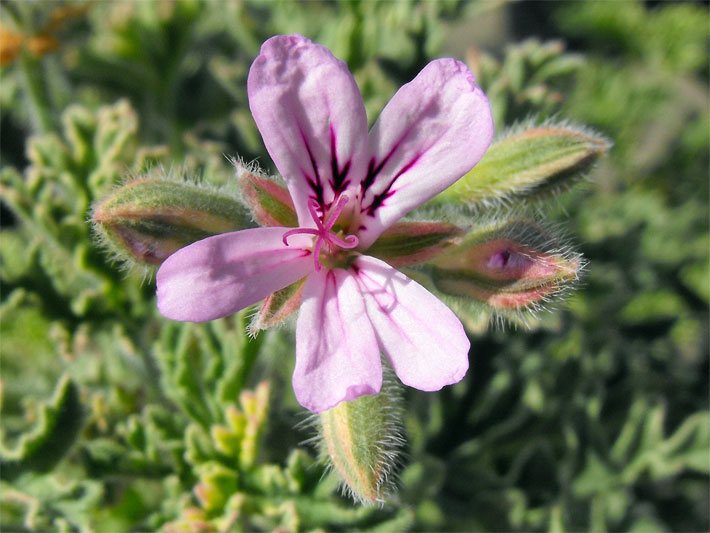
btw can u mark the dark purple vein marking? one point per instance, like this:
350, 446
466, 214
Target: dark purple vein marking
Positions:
373, 170
314, 181
380, 198
339, 181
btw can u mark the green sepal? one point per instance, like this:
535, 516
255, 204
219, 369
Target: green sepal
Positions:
270, 202
508, 265
59, 423
148, 219
278, 306
529, 163
361, 439
408, 243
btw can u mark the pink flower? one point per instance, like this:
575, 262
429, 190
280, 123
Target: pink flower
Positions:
348, 186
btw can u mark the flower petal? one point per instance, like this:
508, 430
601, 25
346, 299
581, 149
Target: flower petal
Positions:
311, 116
424, 340
337, 356
220, 275
433, 131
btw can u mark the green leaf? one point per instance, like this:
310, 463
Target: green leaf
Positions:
57, 428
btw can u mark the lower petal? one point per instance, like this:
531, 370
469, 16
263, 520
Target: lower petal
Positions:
220, 275
423, 339
337, 356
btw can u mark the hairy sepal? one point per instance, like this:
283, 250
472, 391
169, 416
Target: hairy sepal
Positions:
529, 163
510, 266
409, 243
269, 202
362, 439
277, 307
147, 219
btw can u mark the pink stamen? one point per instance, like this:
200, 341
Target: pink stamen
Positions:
323, 227
340, 204
351, 241
313, 209
316, 253
296, 231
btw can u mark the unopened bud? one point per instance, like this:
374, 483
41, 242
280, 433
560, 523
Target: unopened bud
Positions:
510, 266
362, 439
147, 220
533, 162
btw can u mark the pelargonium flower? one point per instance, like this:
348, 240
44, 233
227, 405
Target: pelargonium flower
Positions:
348, 186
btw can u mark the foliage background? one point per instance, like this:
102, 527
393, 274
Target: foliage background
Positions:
115, 419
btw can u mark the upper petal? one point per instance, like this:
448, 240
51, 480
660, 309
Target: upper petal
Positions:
311, 116
433, 131
425, 342
337, 357
220, 275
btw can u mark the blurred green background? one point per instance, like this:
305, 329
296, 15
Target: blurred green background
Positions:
114, 419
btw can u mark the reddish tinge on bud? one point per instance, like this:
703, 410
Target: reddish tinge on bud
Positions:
269, 202
509, 266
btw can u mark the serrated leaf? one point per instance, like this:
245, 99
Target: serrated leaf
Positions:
57, 428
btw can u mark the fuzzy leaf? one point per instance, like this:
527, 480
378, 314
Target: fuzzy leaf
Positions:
529, 163
148, 219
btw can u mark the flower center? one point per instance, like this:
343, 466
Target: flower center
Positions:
323, 230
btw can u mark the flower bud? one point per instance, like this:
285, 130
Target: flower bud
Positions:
362, 439
529, 163
510, 266
148, 219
